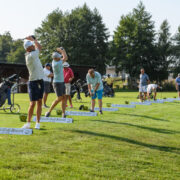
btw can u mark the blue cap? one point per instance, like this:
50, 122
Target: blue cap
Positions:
48, 64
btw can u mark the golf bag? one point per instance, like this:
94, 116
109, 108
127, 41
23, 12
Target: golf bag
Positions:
6, 83
80, 86
107, 91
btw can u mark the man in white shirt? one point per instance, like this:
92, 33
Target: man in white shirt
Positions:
152, 88
47, 82
36, 76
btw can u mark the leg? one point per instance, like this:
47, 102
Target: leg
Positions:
155, 93
55, 103
179, 94
39, 110
148, 96
100, 104
45, 98
31, 110
145, 95
92, 104
63, 105
70, 101
140, 96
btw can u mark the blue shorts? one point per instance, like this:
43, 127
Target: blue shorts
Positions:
98, 94
36, 90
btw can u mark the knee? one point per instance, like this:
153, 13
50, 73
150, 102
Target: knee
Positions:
32, 104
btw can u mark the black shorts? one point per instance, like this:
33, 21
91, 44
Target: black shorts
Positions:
36, 90
59, 88
47, 87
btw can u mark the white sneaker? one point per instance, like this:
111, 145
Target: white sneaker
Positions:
37, 126
26, 126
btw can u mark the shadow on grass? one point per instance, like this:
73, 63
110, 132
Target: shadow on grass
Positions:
163, 131
144, 116
131, 141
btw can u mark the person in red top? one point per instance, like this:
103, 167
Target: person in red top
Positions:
68, 77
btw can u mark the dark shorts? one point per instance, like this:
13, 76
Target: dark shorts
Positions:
36, 90
47, 87
178, 88
59, 88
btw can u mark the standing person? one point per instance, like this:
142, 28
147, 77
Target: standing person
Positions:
95, 88
36, 75
152, 88
144, 81
109, 81
178, 84
68, 77
58, 81
47, 82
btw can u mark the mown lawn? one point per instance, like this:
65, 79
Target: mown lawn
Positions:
133, 143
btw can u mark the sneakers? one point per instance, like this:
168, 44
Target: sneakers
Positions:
37, 126
91, 111
47, 114
26, 126
71, 106
100, 112
45, 106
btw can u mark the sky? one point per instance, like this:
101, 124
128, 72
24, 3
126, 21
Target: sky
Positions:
22, 17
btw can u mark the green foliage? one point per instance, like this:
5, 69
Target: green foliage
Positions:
5, 46
16, 55
82, 33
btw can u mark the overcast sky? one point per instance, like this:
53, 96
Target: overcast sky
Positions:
21, 17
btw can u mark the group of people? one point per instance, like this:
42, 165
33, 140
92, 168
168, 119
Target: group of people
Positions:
39, 84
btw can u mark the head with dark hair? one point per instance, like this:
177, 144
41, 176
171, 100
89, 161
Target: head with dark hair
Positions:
142, 70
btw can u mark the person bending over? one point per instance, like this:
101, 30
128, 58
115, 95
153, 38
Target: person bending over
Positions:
58, 81
95, 87
47, 83
36, 75
152, 88
68, 77
144, 81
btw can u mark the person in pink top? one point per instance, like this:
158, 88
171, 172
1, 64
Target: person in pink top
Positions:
68, 77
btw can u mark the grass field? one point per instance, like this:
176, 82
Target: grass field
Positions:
132, 143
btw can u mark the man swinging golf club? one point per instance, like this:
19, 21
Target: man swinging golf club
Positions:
95, 87
58, 81
36, 75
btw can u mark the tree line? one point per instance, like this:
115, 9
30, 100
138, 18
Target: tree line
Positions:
82, 32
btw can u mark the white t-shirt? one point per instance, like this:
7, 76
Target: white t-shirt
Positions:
34, 65
152, 87
46, 74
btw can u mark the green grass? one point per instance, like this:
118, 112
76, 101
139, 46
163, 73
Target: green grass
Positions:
140, 143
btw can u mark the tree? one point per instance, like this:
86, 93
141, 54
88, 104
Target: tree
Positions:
81, 32
164, 51
5, 46
134, 39
16, 55
175, 65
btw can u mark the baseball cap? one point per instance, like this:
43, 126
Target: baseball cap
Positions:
56, 55
27, 44
48, 64
65, 64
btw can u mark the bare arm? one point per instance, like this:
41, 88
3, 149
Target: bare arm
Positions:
51, 75
37, 45
97, 86
63, 52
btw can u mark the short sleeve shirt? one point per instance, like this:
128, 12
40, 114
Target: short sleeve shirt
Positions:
34, 65
68, 74
144, 79
94, 81
58, 71
46, 74
178, 80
